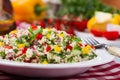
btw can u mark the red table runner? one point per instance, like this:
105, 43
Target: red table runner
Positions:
109, 71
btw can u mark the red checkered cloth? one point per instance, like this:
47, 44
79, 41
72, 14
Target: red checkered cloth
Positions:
109, 71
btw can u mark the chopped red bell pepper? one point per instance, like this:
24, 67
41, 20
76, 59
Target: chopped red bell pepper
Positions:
48, 48
34, 27
80, 44
69, 47
39, 36
8, 47
24, 50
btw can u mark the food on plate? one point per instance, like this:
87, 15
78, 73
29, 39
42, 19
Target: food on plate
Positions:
46, 46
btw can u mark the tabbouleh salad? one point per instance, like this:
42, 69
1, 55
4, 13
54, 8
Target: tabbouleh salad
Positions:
45, 46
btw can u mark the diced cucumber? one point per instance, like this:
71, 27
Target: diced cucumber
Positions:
76, 52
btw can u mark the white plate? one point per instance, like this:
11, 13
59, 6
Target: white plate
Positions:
54, 70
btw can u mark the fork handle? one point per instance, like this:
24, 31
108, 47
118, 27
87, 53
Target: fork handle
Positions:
113, 50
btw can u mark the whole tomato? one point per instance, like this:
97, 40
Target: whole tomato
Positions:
80, 25
42, 23
68, 29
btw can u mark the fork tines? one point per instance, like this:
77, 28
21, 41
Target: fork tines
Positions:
90, 40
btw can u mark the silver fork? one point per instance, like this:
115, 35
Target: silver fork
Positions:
111, 49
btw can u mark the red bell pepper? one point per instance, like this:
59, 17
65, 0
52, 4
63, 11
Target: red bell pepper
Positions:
39, 36
48, 48
111, 35
97, 33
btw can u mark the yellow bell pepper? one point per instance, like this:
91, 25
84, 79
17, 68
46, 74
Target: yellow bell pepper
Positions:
44, 62
61, 35
21, 45
94, 24
115, 19
86, 49
48, 36
57, 48
14, 32
1, 43
28, 10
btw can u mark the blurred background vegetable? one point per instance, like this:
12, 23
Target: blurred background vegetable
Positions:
101, 19
67, 15
85, 8
28, 10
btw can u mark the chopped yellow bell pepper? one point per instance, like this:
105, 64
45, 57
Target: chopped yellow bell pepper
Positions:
14, 32
1, 43
48, 36
21, 45
86, 49
48, 29
57, 48
44, 62
61, 35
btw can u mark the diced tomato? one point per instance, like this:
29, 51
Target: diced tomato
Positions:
8, 47
97, 33
34, 27
69, 47
80, 44
48, 48
111, 35
24, 50
39, 36
93, 47
86, 44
